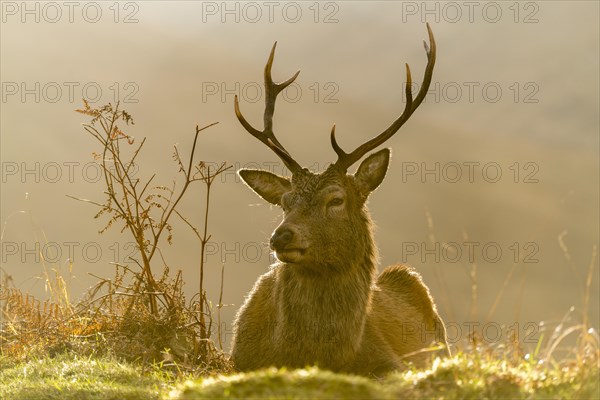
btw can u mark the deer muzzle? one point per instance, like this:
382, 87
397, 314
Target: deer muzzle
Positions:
284, 242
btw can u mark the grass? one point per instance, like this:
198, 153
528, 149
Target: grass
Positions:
464, 376
66, 378
460, 377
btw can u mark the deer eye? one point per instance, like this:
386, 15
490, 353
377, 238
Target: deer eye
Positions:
338, 201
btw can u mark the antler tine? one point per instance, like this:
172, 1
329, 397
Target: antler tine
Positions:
267, 136
345, 160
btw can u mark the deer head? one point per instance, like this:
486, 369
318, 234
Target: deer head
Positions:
326, 225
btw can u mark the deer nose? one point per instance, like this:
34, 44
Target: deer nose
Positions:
281, 238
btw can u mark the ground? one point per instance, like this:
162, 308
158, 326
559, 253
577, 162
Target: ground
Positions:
465, 376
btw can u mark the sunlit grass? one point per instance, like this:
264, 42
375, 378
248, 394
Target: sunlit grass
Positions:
68, 377
464, 376
469, 375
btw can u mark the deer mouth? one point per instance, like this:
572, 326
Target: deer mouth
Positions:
290, 255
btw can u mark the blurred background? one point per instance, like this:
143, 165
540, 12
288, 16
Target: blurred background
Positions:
492, 192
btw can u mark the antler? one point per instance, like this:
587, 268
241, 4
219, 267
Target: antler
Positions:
267, 136
345, 160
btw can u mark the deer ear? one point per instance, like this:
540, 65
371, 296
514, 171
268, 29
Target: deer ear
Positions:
372, 170
265, 184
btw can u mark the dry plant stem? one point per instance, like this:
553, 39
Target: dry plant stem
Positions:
208, 179
219, 306
131, 207
473, 275
203, 241
188, 179
586, 301
128, 187
500, 293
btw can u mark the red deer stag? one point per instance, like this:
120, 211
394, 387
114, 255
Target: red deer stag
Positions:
322, 303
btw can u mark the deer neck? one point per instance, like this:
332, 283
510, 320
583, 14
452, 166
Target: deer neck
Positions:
308, 296
321, 317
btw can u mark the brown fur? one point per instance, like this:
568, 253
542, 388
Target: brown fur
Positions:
322, 304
